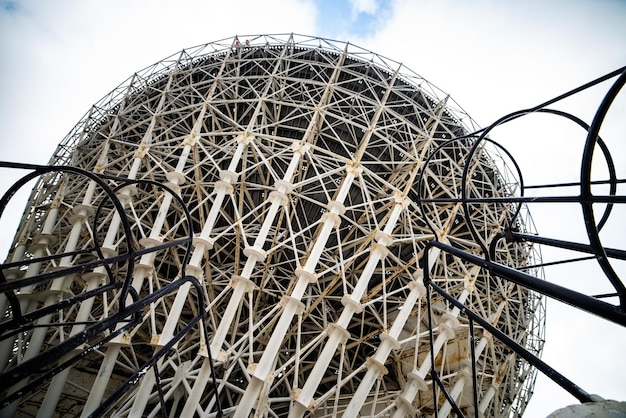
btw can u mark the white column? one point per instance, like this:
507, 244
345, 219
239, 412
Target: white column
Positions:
496, 379
261, 372
113, 347
417, 382
6, 345
464, 376
55, 389
203, 242
255, 253
389, 341
102, 379
446, 331
193, 400
39, 249
487, 397
146, 262
337, 332
142, 395
108, 248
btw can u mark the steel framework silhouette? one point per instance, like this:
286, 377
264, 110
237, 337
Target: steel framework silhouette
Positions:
280, 226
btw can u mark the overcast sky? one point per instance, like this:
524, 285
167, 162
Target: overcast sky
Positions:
493, 57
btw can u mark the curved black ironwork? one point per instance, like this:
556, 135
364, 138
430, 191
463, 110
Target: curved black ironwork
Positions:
38, 370
587, 198
594, 250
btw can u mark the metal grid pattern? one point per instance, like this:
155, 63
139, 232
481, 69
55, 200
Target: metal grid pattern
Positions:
296, 165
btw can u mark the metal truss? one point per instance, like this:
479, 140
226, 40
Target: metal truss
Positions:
277, 226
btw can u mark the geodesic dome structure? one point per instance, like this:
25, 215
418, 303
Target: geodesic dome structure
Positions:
241, 229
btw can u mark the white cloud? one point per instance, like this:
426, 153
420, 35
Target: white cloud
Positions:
71, 53
363, 6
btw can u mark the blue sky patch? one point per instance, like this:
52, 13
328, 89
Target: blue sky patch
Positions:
336, 18
9, 6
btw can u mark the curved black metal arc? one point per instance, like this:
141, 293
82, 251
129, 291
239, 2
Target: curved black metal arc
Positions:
6, 197
132, 380
494, 243
36, 382
177, 197
463, 200
16, 309
567, 245
601, 79
578, 300
585, 189
49, 309
16, 284
131, 251
188, 240
420, 178
483, 137
481, 133
467, 201
521, 179
513, 116
39, 170
39, 362
535, 361
607, 155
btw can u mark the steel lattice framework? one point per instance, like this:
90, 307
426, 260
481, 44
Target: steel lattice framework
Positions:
242, 229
